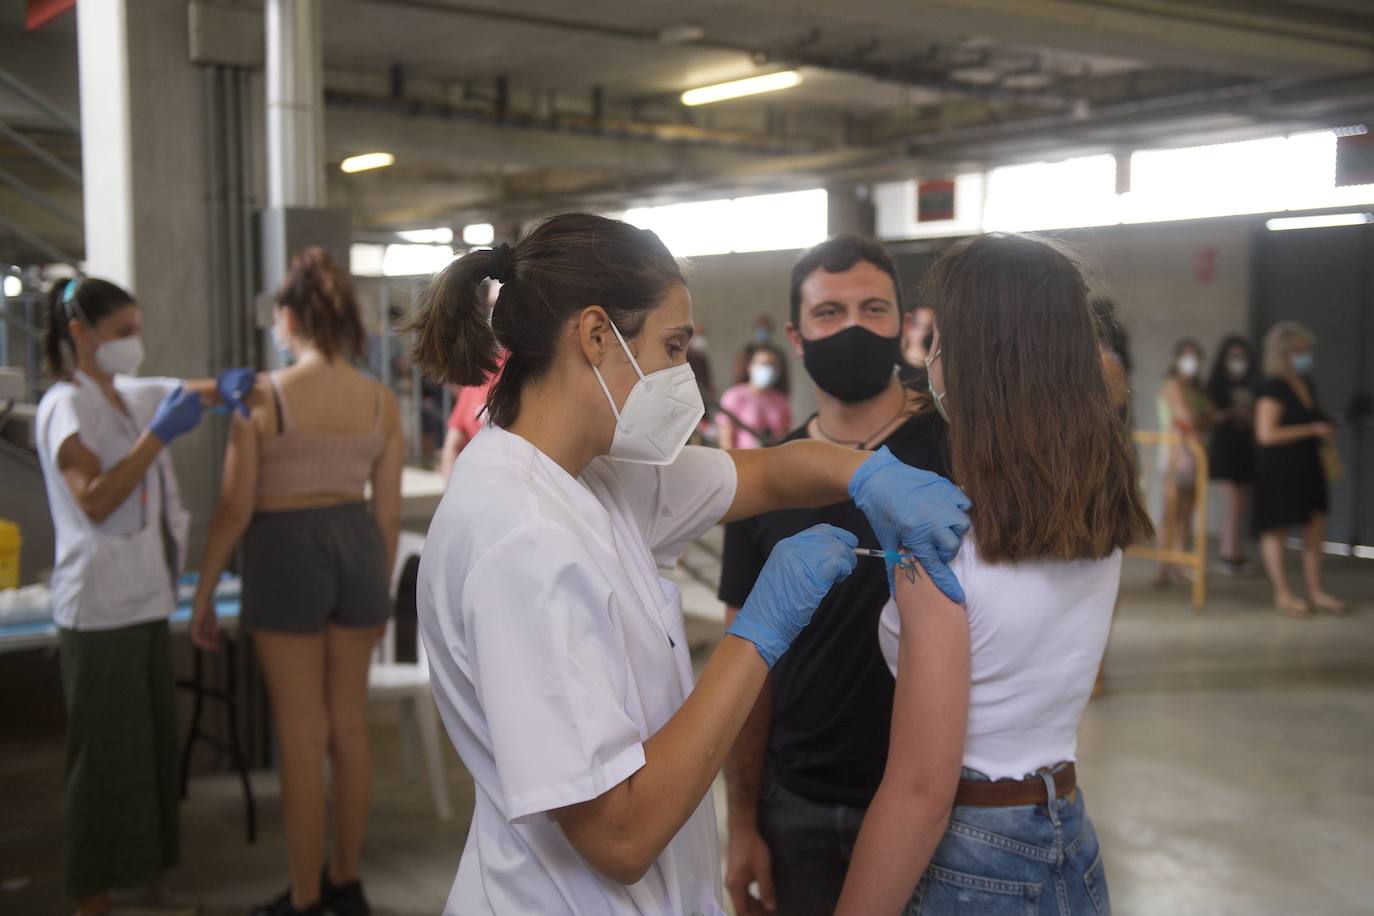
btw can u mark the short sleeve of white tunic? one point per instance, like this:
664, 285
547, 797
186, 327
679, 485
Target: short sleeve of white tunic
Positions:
672, 504
566, 737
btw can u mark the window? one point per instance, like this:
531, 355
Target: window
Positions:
478, 234
767, 222
1052, 195
1273, 174
367, 260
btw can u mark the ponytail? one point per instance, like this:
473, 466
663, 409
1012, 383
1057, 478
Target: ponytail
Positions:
454, 342
561, 267
86, 299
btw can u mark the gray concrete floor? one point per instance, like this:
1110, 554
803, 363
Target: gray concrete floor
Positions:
1226, 767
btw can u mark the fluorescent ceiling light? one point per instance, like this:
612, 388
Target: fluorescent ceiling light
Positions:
367, 161
479, 234
769, 82
1321, 221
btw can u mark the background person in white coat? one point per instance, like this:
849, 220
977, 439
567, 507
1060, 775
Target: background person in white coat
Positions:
558, 653
102, 438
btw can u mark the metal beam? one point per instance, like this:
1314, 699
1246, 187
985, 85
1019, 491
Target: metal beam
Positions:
38, 198
41, 154
13, 228
38, 100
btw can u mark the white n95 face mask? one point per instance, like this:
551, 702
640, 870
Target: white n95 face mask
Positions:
659, 415
122, 356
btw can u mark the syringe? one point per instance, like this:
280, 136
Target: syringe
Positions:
890, 556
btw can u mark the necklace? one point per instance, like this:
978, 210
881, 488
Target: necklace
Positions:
864, 442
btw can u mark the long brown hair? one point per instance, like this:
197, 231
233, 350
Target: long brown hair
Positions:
1035, 442
563, 265
321, 296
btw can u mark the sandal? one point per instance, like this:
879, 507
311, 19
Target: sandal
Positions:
1293, 606
1330, 604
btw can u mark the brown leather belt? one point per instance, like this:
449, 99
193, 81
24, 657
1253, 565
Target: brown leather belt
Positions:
1009, 793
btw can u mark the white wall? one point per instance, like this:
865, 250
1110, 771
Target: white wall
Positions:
1155, 273
729, 292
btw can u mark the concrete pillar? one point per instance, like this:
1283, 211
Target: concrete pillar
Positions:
295, 104
143, 155
851, 210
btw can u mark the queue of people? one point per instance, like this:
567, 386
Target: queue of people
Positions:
905, 661
1270, 447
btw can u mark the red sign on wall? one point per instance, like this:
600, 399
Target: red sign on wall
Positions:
40, 12
934, 201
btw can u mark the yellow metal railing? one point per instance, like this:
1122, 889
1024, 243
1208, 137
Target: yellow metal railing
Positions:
1196, 558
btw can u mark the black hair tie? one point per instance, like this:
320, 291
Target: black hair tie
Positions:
500, 261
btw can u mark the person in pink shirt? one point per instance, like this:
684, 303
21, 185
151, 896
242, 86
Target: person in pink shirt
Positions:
756, 407
467, 417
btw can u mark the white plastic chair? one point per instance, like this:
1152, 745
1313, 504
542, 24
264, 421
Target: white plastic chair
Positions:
408, 684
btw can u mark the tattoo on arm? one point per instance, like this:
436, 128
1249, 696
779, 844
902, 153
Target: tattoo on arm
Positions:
908, 565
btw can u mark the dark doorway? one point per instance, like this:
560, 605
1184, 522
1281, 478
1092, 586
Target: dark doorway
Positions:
1323, 279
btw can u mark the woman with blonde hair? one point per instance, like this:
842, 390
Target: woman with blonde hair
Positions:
316, 568
1290, 482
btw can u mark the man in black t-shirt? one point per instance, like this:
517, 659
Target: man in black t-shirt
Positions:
811, 755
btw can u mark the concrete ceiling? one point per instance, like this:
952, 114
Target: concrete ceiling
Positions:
508, 109
536, 103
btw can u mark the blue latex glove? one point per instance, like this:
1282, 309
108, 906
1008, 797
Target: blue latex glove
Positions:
916, 511
234, 385
178, 413
797, 577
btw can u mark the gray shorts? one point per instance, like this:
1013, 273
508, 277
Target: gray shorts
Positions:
304, 569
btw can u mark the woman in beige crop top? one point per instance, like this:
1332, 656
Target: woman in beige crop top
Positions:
317, 556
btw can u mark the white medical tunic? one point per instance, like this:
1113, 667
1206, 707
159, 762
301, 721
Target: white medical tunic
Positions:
112, 573
556, 649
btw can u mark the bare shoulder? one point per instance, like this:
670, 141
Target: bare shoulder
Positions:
391, 408
262, 405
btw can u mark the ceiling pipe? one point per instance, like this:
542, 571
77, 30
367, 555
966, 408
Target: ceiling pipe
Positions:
892, 73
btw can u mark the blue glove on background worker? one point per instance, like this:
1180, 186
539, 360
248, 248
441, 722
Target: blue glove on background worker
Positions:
234, 385
798, 575
916, 511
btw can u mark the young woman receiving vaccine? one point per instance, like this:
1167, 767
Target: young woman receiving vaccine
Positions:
102, 437
557, 649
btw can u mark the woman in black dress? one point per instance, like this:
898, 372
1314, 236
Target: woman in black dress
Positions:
1290, 484
1231, 453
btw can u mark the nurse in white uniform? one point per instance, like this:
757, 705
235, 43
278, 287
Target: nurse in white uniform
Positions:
556, 647
102, 443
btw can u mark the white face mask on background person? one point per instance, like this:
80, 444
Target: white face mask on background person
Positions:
121, 356
1303, 362
1187, 365
1238, 366
763, 375
658, 418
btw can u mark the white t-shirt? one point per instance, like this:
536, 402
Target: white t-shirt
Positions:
1037, 632
556, 649
111, 573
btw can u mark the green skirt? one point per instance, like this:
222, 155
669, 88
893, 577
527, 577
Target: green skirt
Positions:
120, 817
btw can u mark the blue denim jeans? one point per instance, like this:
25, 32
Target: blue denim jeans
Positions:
1031, 860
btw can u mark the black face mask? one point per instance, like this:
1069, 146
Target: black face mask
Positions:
853, 365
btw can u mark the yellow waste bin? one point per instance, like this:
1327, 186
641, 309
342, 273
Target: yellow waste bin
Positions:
9, 554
